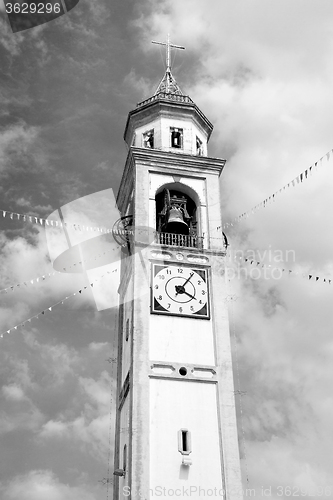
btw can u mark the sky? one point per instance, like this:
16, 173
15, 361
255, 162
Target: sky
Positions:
261, 71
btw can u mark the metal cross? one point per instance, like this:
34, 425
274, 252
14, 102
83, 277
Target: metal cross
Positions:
168, 51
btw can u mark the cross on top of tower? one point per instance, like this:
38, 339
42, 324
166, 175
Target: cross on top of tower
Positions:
168, 46
168, 83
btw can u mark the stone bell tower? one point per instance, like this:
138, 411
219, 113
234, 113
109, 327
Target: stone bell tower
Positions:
176, 432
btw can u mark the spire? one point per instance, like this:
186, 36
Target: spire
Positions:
168, 83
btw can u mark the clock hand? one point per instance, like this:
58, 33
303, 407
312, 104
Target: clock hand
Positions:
188, 279
192, 296
180, 288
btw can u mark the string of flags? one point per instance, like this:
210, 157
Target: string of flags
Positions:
294, 182
50, 309
33, 281
50, 222
12, 288
290, 272
83, 262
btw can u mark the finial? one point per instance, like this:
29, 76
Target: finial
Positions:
168, 46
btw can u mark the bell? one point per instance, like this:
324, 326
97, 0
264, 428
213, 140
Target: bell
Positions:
176, 223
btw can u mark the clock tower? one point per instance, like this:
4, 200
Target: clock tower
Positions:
176, 432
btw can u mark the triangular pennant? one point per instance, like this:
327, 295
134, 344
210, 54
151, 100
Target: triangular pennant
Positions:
310, 276
317, 278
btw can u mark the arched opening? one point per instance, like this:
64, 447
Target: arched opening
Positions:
177, 217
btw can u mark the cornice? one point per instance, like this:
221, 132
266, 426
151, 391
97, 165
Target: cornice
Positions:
161, 106
157, 157
165, 161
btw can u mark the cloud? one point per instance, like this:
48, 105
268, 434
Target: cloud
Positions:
57, 361
13, 392
89, 429
16, 142
97, 346
42, 484
24, 259
33, 209
18, 412
11, 44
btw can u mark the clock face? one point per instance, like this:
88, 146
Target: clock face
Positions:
180, 290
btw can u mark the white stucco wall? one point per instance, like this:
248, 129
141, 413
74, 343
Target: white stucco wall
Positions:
192, 405
181, 340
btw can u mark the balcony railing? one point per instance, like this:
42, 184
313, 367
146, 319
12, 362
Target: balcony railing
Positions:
166, 96
178, 240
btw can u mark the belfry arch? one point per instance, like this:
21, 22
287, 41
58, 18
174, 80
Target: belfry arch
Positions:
177, 215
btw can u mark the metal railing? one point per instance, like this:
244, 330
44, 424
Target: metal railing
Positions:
168, 96
178, 240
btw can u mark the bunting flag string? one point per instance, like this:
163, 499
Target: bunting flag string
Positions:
51, 222
84, 262
50, 309
12, 288
297, 180
288, 272
33, 281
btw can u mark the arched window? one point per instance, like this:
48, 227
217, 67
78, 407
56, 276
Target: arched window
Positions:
176, 218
